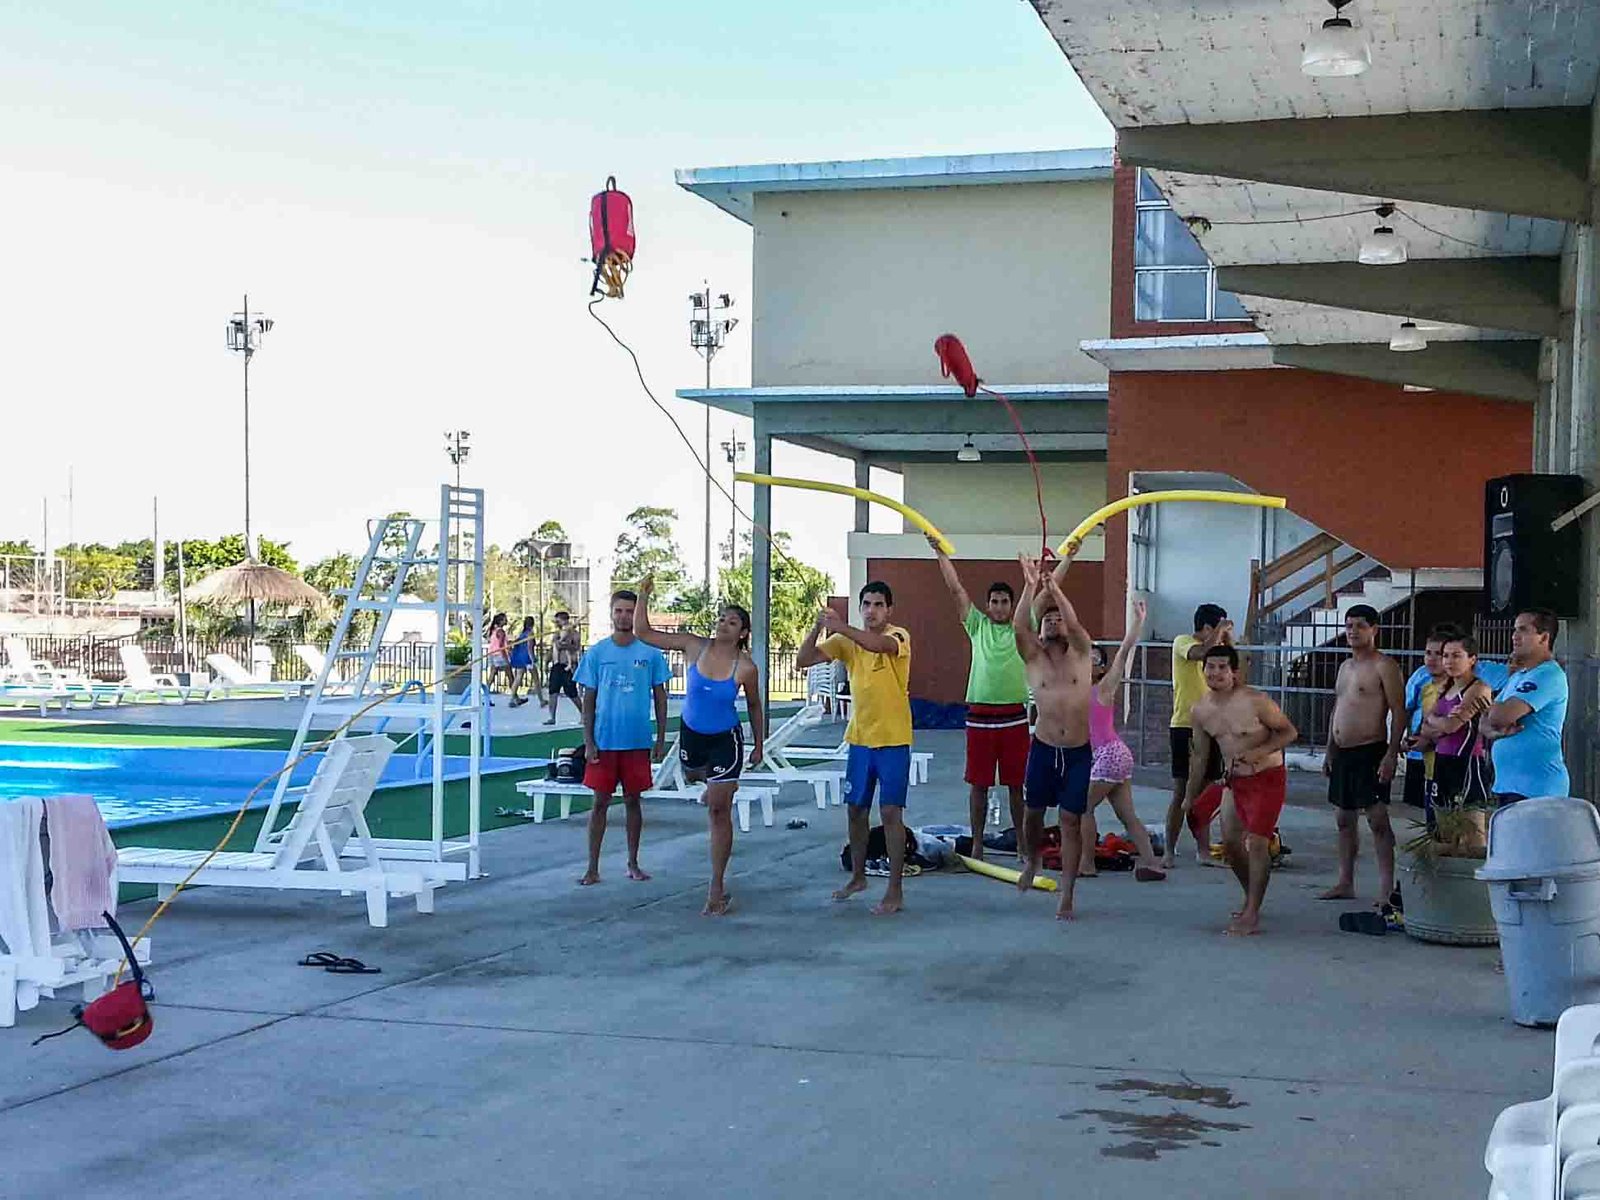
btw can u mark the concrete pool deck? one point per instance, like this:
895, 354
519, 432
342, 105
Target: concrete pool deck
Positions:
535, 1038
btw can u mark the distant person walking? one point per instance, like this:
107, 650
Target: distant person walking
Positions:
1530, 710
1364, 736
622, 679
499, 651
878, 657
565, 649
711, 736
1211, 628
997, 699
524, 673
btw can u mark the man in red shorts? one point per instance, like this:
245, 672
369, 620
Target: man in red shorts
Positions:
1251, 732
997, 699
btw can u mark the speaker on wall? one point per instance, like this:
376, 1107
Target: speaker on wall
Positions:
1525, 565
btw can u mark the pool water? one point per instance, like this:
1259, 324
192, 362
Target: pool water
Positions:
139, 785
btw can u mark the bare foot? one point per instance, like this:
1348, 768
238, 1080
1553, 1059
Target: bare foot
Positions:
1168, 863
1243, 926
1204, 859
589, 879
1088, 873
977, 852
637, 873
850, 889
888, 906
1339, 891
1064, 912
1025, 877
717, 906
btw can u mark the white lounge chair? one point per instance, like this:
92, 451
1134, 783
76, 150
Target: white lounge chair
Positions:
34, 962
48, 683
236, 678
140, 682
314, 660
826, 782
308, 848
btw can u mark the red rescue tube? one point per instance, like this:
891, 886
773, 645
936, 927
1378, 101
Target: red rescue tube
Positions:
954, 363
611, 238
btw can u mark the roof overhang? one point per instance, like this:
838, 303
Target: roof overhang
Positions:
733, 189
1192, 352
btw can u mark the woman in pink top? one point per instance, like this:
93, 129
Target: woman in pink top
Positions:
1461, 773
499, 652
1111, 775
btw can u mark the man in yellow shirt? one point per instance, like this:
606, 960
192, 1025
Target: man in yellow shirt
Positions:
878, 658
1211, 628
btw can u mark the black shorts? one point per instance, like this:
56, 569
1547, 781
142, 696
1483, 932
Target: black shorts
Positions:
1353, 776
1462, 779
1182, 738
1416, 785
711, 757
561, 682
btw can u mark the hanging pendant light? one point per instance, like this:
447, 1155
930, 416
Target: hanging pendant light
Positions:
968, 452
1383, 247
1337, 49
1408, 338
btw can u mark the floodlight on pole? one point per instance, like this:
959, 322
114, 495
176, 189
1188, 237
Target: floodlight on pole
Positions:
457, 450
709, 326
245, 334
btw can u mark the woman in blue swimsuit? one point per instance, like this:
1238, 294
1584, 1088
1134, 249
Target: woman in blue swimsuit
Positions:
710, 738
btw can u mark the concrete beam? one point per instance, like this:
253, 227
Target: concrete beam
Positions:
880, 458
823, 445
761, 564
1501, 370
930, 416
1517, 294
1531, 162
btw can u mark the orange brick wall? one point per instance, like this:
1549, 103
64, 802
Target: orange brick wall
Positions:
1369, 462
940, 652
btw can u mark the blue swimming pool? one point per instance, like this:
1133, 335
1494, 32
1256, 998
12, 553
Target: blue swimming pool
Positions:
140, 785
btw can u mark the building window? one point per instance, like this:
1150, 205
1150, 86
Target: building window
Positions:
1172, 278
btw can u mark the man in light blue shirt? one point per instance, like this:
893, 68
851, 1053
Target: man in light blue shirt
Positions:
622, 680
1524, 724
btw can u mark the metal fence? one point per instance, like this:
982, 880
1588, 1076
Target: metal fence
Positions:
397, 663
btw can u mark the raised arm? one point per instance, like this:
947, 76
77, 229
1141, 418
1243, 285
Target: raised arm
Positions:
1221, 635
690, 644
1077, 636
1058, 576
810, 654
947, 572
1021, 629
872, 643
750, 680
1112, 680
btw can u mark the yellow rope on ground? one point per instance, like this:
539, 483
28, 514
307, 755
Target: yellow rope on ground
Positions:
816, 485
1101, 515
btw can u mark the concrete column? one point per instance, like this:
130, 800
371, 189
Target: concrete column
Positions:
761, 558
863, 509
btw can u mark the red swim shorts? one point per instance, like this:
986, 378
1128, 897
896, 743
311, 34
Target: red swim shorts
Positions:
997, 744
1258, 799
631, 768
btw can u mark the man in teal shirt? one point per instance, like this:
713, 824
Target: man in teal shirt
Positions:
997, 700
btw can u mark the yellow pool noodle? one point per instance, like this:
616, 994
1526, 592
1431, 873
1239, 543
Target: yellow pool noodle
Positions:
1251, 499
1043, 882
816, 485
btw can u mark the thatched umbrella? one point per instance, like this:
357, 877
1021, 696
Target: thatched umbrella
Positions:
254, 582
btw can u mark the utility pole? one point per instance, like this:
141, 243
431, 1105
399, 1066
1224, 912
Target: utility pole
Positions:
457, 450
734, 450
245, 334
709, 327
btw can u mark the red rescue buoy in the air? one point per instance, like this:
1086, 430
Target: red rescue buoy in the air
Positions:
611, 239
954, 363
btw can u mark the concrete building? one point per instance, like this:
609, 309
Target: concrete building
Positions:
1475, 121
858, 267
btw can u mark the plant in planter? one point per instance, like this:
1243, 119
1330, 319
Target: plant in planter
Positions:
1444, 902
457, 661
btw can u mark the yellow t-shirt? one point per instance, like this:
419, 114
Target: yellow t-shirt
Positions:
1188, 679
880, 704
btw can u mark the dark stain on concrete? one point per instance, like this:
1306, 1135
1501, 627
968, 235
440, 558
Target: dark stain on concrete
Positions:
1193, 1093
1152, 1134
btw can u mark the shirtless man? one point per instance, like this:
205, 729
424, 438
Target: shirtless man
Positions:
566, 647
1251, 732
1059, 664
1364, 736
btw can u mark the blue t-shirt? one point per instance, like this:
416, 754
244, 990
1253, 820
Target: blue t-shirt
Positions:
1530, 763
1414, 702
623, 680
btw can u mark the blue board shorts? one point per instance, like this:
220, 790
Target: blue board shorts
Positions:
881, 770
1058, 775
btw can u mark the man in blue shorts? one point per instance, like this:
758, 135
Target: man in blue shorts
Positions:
878, 658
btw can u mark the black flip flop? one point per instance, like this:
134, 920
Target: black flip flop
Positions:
1363, 922
319, 958
351, 966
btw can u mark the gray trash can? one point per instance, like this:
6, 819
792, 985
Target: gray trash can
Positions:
1543, 871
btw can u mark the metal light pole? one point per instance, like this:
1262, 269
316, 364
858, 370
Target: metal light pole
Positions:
457, 450
708, 329
734, 450
244, 337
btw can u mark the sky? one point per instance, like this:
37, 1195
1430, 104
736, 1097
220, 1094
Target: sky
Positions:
403, 188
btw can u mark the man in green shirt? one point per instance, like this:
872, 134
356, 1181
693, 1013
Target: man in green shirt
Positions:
997, 700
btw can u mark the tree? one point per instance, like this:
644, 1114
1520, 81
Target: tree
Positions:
97, 572
798, 591
645, 547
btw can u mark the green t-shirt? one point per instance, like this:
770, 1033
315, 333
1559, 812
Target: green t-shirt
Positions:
997, 675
